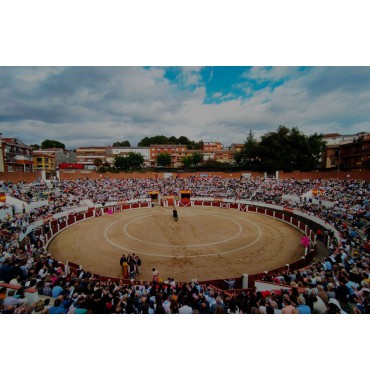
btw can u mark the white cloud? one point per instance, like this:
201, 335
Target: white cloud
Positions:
97, 106
191, 75
276, 73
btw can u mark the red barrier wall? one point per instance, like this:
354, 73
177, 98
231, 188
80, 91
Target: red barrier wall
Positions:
31, 177
19, 177
353, 174
219, 283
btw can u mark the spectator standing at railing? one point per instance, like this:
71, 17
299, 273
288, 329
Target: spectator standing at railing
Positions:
132, 270
137, 261
230, 283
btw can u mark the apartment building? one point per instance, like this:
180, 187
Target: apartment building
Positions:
177, 152
44, 161
355, 154
211, 146
236, 147
15, 155
225, 156
89, 156
345, 151
59, 154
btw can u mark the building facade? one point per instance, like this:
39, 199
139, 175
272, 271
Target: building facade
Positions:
355, 154
44, 161
60, 155
16, 156
177, 153
236, 147
211, 146
345, 151
91, 156
225, 156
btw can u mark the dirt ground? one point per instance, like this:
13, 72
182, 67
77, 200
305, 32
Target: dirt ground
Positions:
205, 243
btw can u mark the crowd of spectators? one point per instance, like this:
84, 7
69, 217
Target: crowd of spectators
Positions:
339, 283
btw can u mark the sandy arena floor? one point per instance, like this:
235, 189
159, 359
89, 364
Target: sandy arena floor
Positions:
206, 243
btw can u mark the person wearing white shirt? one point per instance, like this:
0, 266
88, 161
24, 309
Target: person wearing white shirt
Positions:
43, 271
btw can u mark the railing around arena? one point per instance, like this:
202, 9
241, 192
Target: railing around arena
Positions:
53, 225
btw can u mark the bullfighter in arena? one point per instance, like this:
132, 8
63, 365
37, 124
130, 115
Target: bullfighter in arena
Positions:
174, 214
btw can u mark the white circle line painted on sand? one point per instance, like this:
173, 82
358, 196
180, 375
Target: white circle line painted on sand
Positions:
181, 256
183, 245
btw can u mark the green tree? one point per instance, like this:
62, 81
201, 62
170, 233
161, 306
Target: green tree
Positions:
187, 161
248, 157
238, 157
159, 140
121, 162
197, 158
131, 161
317, 147
197, 145
214, 164
122, 143
163, 140
144, 142
35, 146
135, 160
183, 140
173, 140
290, 149
164, 159
52, 144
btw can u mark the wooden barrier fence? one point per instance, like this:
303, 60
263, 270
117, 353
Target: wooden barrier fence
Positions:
57, 225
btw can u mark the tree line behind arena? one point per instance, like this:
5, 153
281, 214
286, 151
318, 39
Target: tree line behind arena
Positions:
286, 149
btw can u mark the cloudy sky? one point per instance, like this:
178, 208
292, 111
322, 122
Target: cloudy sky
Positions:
82, 106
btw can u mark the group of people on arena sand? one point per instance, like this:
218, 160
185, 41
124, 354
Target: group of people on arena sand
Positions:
338, 283
131, 266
